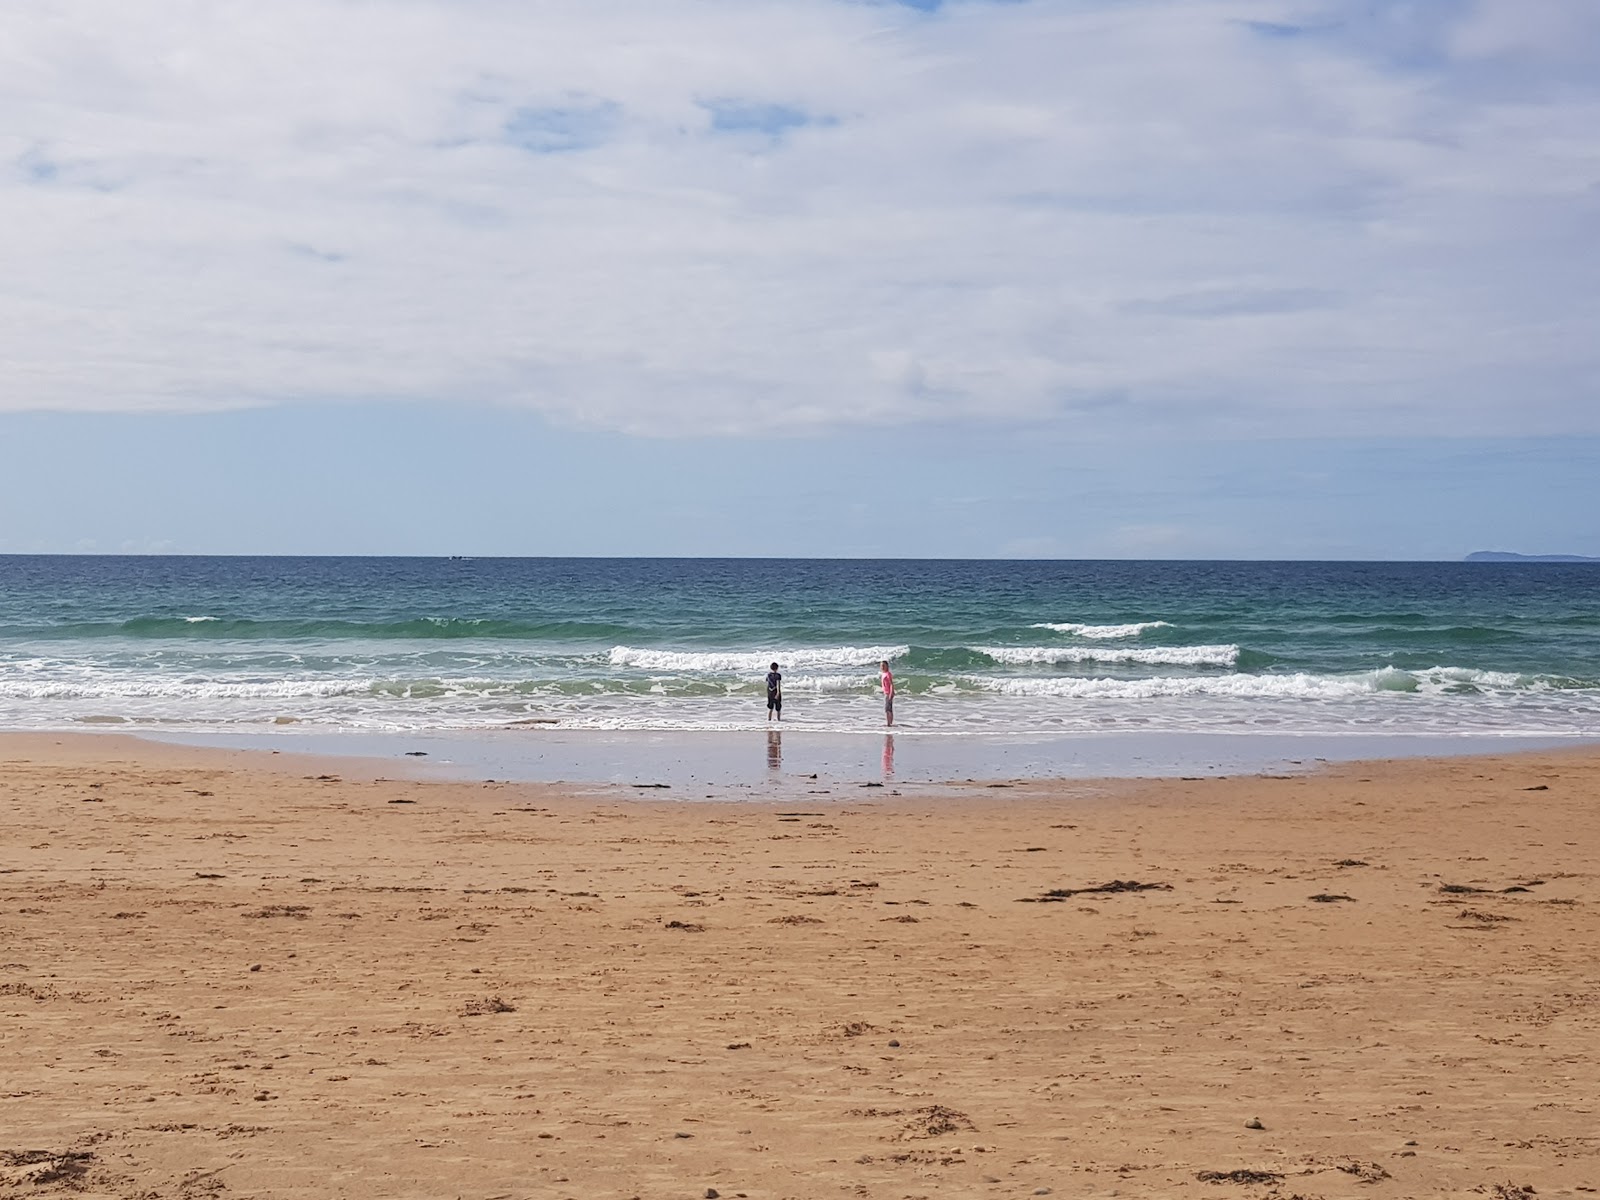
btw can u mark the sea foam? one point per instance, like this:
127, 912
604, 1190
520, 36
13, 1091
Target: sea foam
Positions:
1101, 631
1175, 656
1260, 686
753, 661
1298, 685
147, 688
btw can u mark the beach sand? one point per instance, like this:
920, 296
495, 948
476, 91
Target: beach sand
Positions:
243, 975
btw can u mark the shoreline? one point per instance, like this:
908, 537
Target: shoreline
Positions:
249, 975
779, 762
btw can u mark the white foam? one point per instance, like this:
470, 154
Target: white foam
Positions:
1239, 686
197, 620
451, 689
748, 662
829, 683
136, 688
1175, 656
1446, 677
1437, 681
1102, 631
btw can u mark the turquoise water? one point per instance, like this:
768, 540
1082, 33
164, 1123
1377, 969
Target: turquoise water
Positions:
418, 645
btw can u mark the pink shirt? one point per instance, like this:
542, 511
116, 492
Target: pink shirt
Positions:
888, 684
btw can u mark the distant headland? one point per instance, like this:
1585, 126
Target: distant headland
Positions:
1507, 556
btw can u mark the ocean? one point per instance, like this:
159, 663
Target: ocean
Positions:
1036, 648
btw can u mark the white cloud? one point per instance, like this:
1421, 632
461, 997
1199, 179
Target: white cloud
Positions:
1264, 216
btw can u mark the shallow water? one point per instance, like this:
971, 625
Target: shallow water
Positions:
775, 763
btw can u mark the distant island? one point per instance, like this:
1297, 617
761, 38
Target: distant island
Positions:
1507, 556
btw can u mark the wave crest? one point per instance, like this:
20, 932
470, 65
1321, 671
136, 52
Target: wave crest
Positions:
1173, 656
747, 662
1133, 629
1299, 685
183, 689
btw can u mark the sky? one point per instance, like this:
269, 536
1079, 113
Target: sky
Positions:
1062, 278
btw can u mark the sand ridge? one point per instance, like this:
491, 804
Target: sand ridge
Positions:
227, 976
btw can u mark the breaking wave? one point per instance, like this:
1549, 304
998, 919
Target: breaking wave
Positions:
1299, 685
1101, 631
136, 688
753, 662
1175, 656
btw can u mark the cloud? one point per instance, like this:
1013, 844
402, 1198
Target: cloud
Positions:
1216, 216
1232, 302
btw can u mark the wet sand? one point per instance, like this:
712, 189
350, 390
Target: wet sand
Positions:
244, 975
779, 762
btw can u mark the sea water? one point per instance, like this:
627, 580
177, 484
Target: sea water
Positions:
1036, 649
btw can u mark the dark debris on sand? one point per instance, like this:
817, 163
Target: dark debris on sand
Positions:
297, 911
485, 1006
1461, 889
1240, 1175
1056, 895
1368, 1172
930, 1121
65, 1167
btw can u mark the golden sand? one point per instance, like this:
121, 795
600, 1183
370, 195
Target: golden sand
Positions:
242, 975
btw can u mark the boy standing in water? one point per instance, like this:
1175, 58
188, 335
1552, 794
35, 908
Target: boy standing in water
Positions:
887, 680
774, 693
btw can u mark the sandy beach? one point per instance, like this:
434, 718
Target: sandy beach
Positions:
245, 975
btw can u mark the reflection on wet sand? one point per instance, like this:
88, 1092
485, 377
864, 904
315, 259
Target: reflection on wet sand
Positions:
774, 750
888, 756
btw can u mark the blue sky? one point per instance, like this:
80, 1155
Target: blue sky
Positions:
417, 478
1166, 278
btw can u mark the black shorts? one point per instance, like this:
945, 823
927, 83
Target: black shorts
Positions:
775, 701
